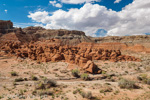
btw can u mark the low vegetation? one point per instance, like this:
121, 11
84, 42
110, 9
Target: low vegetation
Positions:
45, 84
19, 79
128, 84
87, 95
14, 73
44, 92
34, 78
85, 76
75, 73
144, 78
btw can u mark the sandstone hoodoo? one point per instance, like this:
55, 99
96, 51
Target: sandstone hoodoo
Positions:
91, 68
45, 51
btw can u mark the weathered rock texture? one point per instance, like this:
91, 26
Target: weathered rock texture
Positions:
140, 43
129, 40
91, 67
117, 46
6, 26
65, 36
51, 50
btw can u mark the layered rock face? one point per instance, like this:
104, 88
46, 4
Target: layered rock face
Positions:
6, 26
45, 51
139, 43
129, 40
65, 36
107, 46
117, 46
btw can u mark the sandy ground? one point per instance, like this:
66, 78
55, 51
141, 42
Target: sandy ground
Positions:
101, 87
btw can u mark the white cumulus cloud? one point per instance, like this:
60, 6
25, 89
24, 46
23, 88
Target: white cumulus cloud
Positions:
58, 5
117, 1
78, 1
89, 18
133, 19
55, 4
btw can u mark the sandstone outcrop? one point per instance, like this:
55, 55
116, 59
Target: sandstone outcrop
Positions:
129, 40
6, 26
139, 43
45, 51
91, 68
67, 37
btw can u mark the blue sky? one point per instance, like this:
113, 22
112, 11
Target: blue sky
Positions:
18, 11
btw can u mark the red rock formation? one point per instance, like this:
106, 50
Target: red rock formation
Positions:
137, 48
6, 24
45, 51
107, 46
92, 68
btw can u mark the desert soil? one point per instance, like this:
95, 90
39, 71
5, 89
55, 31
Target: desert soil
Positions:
102, 86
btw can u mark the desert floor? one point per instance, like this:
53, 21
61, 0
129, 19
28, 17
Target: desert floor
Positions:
20, 77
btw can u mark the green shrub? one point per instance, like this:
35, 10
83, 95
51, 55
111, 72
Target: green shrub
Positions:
124, 83
44, 92
34, 92
21, 92
75, 92
50, 83
14, 73
75, 73
103, 72
144, 78
148, 81
87, 95
1, 97
34, 78
85, 76
40, 85
106, 89
19, 79
45, 84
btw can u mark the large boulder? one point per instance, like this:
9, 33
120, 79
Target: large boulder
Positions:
92, 68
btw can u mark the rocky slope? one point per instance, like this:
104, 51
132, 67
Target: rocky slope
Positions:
139, 43
66, 37
28, 34
129, 40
